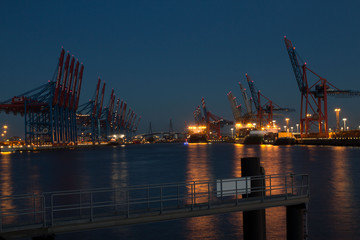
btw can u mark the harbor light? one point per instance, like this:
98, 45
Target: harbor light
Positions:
344, 119
297, 127
238, 125
287, 123
337, 111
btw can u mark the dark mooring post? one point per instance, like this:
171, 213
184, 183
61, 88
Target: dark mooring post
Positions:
254, 223
295, 222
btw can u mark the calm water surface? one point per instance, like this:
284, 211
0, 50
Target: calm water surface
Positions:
334, 177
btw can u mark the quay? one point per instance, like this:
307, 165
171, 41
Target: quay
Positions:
25, 148
44, 215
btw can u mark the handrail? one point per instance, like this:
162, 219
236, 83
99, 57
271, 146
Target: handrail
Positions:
51, 208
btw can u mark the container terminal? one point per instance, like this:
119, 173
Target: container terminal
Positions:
53, 117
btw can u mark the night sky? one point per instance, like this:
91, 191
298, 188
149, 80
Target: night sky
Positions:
162, 57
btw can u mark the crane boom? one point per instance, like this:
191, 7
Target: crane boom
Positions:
246, 99
96, 98
58, 78
204, 109
295, 65
74, 86
65, 76
235, 108
68, 87
254, 92
79, 87
101, 101
116, 115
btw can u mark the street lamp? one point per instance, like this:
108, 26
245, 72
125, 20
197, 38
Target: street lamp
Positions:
344, 119
274, 121
337, 111
292, 129
287, 123
297, 127
285, 128
232, 132
5, 127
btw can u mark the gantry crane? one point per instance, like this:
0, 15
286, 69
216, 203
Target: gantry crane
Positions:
50, 110
214, 123
235, 108
264, 112
313, 96
246, 99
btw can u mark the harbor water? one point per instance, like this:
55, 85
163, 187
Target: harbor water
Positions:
334, 208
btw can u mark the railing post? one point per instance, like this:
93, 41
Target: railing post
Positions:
192, 197
286, 194
221, 189
302, 185
91, 207
236, 191
194, 194
44, 211
246, 184
262, 188
292, 184
270, 184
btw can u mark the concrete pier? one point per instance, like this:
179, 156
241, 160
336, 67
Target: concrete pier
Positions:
295, 222
254, 221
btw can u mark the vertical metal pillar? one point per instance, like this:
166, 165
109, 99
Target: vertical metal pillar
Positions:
254, 222
295, 222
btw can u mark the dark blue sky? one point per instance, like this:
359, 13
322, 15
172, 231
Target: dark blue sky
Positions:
163, 56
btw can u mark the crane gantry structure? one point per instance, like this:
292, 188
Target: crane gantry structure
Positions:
264, 111
101, 124
213, 122
51, 110
313, 95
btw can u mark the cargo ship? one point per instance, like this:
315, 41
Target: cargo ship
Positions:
197, 134
285, 138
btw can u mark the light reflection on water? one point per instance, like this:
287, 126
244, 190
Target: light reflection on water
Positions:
198, 168
6, 186
335, 192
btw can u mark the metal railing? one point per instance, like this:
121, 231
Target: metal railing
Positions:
58, 208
